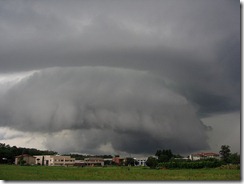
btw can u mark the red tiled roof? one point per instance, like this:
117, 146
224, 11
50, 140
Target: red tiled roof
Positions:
205, 154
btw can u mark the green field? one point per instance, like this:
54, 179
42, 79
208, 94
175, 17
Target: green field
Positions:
12, 172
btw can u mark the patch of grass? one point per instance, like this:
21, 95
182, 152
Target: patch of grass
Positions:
45, 173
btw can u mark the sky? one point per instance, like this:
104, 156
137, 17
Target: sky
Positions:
120, 77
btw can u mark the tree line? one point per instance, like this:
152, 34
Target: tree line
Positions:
166, 159
82, 157
8, 153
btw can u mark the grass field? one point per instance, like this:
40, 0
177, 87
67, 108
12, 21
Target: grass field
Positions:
12, 172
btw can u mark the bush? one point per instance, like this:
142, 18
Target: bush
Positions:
230, 166
190, 164
22, 162
152, 162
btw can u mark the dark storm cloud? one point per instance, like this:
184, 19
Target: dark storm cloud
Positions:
189, 42
124, 108
192, 45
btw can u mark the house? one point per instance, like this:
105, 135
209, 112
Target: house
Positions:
141, 161
25, 159
200, 156
54, 160
94, 161
118, 161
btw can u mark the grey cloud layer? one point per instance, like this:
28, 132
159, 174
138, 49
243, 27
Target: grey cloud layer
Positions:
195, 44
125, 108
192, 46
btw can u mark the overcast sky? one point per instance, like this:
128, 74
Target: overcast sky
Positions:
120, 77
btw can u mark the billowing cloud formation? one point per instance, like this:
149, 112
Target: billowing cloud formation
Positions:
188, 49
196, 44
131, 111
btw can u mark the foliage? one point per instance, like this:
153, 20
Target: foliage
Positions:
178, 156
166, 155
225, 153
152, 162
234, 158
227, 157
108, 162
22, 161
230, 166
163, 158
190, 164
82, 157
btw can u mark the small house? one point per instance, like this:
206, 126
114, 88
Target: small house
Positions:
25, 159
200, 156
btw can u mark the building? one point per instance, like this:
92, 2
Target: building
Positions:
108, 161
54, 160
94, 161
80, 163
200, 156
141, 161
25, 159
118, 161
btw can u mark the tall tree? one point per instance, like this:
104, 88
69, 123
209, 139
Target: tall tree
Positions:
164, 155
225, 153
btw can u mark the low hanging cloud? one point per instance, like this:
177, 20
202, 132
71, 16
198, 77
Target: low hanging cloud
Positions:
102, 109
119, 76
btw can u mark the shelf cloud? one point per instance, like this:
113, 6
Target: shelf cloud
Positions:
119, 76
102, 105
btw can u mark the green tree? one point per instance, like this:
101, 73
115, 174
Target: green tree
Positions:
158, 153
164, 155
163, 158
152, 162
234, 158
22, 161
131, 161
225, 153
168, 153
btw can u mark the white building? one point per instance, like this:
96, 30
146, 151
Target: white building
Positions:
141, 161
54, 160
94, 161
